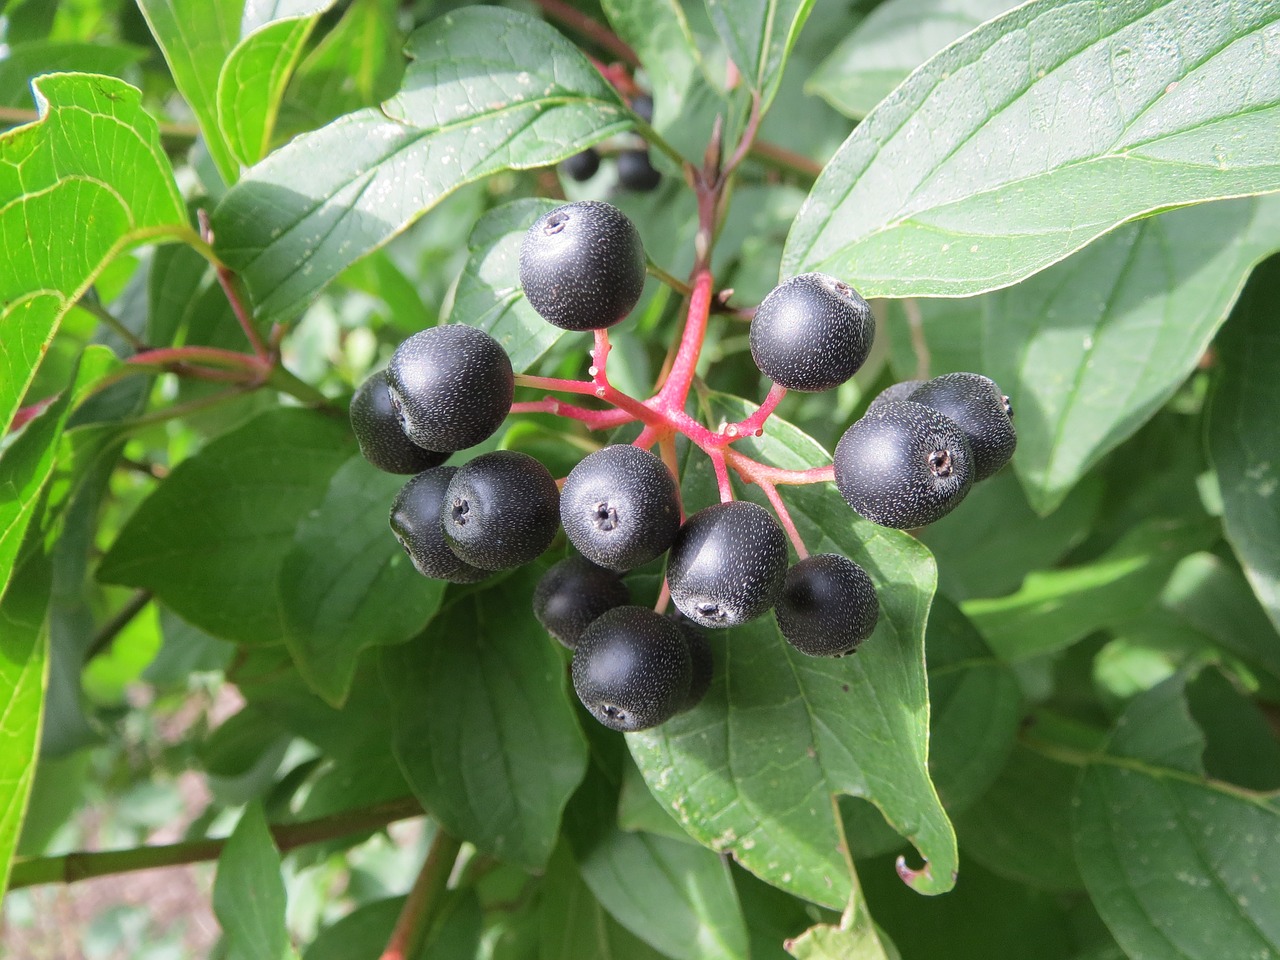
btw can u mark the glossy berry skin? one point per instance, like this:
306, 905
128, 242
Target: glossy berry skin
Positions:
985, 415
700, 659
415, 521
582, 265
631, 668
727, 564
903, 465
451, 386
636, 171
500, 510
811, 333
581, 166
572, 594
828, 606
897, 391
377, 428
620, 507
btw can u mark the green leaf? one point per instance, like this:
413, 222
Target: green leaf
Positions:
360, 935
894, 39
248, 894
658, 31
1039, 132
90, 168
26, 60
1243, 434
759, 35
855, 938
24, 653
489, 296
211, 541
483, 726
754, 769
1177, 865
253, 78
489, 90
196, 37
1055, 608
346, 584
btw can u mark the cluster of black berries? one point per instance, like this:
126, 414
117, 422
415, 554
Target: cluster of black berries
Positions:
582, 267
635, 169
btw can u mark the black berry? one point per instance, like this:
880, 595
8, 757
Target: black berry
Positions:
903, 465
573, 593
415, 520
377, 428
828, 606
636, 171
727, 564
582, 266
451, 386
985, 415
811, 333
581, 166
620, 507
642, 107
500, 510
631, 668
700, 659
897, 391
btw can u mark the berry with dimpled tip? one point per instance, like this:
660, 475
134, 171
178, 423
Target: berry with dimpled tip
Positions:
620, 507
828, 606
572, 594
450, 386
978, 407
811, 333
631, 668
903, 465
415, 521
727, 564
377, 428
582, 266
500, 510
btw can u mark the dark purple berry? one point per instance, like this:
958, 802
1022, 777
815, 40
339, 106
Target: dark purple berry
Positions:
828, 606
978, 407
500, 510
700, 658
415, 520
572, 594
377, 428
897, 391
581, 166
642, 107
636, 171
811, 333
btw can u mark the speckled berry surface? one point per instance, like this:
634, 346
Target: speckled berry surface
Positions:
985, 415
415, 521
377, 428
897, 391
811, 333
451, 386
620, 507
828, 606
701, 660
631, 668
727, 564
500, 510
903, 465
582, 265
572, 594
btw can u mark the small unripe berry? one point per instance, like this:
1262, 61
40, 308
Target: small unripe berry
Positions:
500, 510
631, 668
811, 333
415, 521
828, 606
903, 465
451, 386
636, 171
377, 428
620, 507
572, 594
582, 266
978, 407
727, 564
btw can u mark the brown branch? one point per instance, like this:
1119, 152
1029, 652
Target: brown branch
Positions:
111, 629
423, 901
784, 159
592, 29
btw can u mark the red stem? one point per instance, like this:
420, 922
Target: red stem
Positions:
753, 471
722, 475
227, 280
676, 390
594, 419
753, 426
784, 517
603, 37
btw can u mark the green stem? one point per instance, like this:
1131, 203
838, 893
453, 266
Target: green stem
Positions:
111, 629
282, 380
676, 284
70, 867
423, 902
90, 304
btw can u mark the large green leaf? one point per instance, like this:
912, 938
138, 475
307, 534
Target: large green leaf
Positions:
659, 32
759, 35
1179, 866
1039, 132
483, 726
753, 771
211, 541
1244, 432
248, 895
894, 39
91, 168
346, 584
489, 296
489, 90
26, 60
